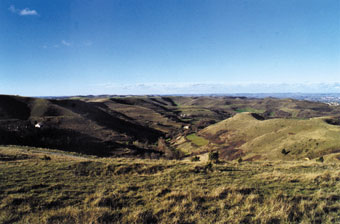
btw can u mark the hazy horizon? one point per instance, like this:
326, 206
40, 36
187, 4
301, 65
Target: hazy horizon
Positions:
73, 47
269, 89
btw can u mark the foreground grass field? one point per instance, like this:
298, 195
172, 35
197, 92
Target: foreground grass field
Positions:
38, 186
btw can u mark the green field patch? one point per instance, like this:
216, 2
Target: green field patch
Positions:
197, 140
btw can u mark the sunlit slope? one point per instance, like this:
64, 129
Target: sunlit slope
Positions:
49, 186
248, 136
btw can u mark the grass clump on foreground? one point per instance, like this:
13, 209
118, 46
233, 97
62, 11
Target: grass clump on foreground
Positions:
74, 189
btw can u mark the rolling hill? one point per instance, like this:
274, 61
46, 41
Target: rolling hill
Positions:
171, 126
280, 178
250, 136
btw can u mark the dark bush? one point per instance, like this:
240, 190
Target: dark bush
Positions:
46, 158
208, 167
195, 159
320, 159
285, 152
213, 156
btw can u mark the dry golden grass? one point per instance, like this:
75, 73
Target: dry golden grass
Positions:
68, 189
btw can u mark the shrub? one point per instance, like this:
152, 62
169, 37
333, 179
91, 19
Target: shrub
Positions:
46, 158
208, 167
213, 156
320, 159
240, 160
195, 159
285, 152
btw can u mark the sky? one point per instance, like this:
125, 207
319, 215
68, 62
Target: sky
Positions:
81, 47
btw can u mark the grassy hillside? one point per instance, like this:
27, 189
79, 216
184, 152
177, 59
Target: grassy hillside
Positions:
133, 125
44, 186
249, 136
268, 107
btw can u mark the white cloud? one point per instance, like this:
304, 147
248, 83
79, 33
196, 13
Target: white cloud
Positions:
64, 42
23, 12
28, 12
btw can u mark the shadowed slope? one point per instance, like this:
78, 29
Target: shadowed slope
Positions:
13, 107
73, 125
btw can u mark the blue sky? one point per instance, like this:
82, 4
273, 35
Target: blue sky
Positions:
70, 47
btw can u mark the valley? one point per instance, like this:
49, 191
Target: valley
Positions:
168, 159
161, 126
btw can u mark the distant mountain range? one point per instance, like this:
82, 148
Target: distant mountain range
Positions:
329, 98
284, 90
318, 97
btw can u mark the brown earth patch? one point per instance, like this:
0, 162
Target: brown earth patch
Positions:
253, 158
232, 152
216, 138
